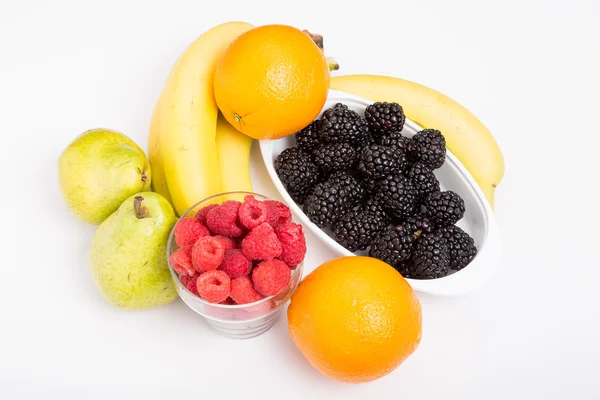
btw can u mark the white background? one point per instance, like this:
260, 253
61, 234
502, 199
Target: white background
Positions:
527, 69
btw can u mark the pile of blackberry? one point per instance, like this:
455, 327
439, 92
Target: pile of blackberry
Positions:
376, 191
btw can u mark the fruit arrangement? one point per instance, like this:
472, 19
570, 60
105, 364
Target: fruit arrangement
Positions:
355, 319
238, 252
375, 189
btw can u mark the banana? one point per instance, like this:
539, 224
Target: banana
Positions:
466, 137
186, 120
233, 148
159, 180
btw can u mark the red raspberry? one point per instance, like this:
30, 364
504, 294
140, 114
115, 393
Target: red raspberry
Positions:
243, 292
189, 281
261, 243
207, 254
222, 220
188, 230
252, 212
181, 262
270, 277
214, 286
226, 242
188, 249
277, 213
235, 264
203, 212
293, 244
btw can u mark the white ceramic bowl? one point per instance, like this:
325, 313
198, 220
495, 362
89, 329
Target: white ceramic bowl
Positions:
479, 220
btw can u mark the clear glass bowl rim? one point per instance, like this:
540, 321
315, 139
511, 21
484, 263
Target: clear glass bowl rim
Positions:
175, 276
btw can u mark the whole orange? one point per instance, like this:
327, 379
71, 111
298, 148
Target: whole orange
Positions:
271, 81
355, 319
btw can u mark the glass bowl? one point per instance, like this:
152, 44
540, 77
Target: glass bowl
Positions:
239, 321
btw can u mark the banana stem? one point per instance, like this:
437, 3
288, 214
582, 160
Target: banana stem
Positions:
141, 212
318, 39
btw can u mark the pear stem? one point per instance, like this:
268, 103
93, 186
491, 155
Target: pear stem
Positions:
141, 212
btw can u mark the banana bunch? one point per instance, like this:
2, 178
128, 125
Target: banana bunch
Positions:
193, 152
466, 137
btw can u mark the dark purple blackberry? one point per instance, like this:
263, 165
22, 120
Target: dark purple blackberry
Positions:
377, 161
394, 141
308, 139
392, 247
384, 118
444, 208
424, 179
431, 258
429, 147
373, 206
351, 185
342, 125
297, 172
326, 204
460, 245
333, 157
369, 184
397, 195
416, 224
356, 230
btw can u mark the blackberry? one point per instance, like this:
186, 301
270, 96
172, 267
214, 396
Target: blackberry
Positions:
342, 125
460, 245
355, 192
376, 161
424, 179
375, 208
444, 208
308, 139
392, 247
384, 118
431, 258
369, 184
356, 230
416, 223
326, 204
397, 195
333, 157
395, 141
429, 147
297, 172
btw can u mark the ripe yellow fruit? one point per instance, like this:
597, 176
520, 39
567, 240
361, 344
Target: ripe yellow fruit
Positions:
466, 137
184, 129
355, 319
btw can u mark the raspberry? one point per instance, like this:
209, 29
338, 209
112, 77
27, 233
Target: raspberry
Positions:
188, 249
226, 242
222, 220
214, 286
293, 244
181, 262
235, 264
207, 254
252, 212
188, 230
243, 292
189, 282
277, 213
261, 243
203, 212
270, 277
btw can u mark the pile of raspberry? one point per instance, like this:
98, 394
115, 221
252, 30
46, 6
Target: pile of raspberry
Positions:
238, 253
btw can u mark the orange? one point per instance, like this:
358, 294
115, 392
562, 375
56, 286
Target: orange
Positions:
271, 81
355, 319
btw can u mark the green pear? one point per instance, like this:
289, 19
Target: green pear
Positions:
98, 171
128, 254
